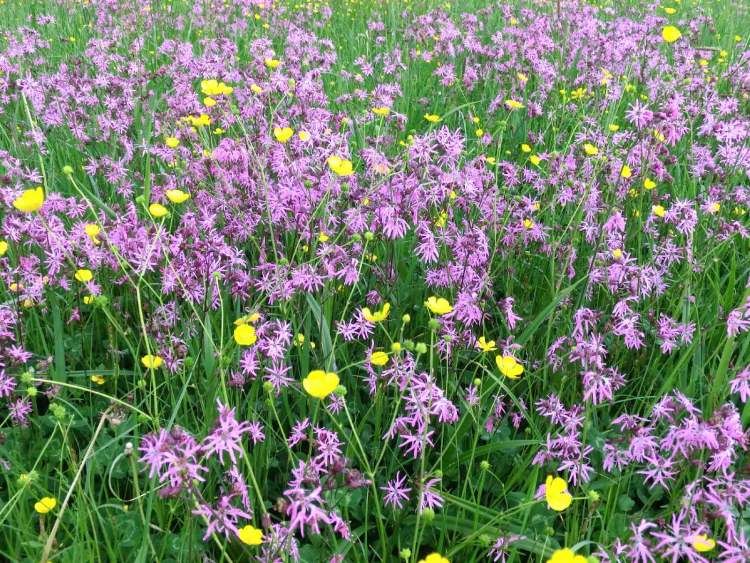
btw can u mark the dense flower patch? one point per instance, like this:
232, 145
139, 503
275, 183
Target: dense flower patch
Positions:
374, 281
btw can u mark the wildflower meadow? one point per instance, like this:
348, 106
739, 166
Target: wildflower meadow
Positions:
374, 281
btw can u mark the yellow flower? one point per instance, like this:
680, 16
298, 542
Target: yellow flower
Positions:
702, 543
45, 505
479, 133
213, 87
340, 166
490, 160
244, 335
30, 200
256, 89
590, 150
320, 384
649, 184
92, 230
714, 207
250, 318
614, 127
438, 305
201, 121
486, 345
378, 358
626, 172
272, 63
432, 117
566, 555
435, 558
525, 148
658, 210
157, 210
617, 254
283, 134
535, 160
381, 111
528, 224
514, 104
209, 102
84, 275
671, 11
323, 237
172, 142
670, 34
304, 136
250, 535
3, 247
377, 316
508, 366
152, 362
177, 196
556, 493
522, 77
88, 299
98, 379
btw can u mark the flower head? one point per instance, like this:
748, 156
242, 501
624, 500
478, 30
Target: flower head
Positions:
158, 210
509, 366
438, 305
556, 493
30, 200
670, 34
45, 505
435, 558
377, 316
320, 384
486, 345
84, 275
244, 335
378, 358
152, 362
283, 134
340, 166
702, 543
177, 196
250, 535
566, 555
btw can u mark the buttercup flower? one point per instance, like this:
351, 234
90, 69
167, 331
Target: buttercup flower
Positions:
45, 505
177, 196
670, 33
566, 555
340, 166
377, 316
320, 384
509, 366
244, 335
283, 134
30, 200
84, 275
152, 362
438, 305
556, 493
250, 535
378, 358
